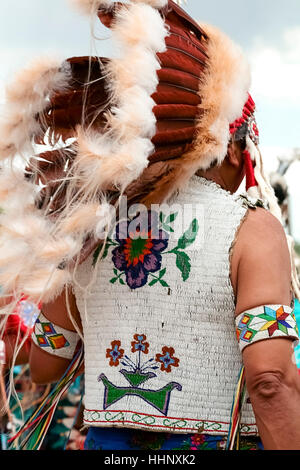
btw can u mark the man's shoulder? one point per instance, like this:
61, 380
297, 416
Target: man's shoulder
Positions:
262, 239
262, 227
261, 244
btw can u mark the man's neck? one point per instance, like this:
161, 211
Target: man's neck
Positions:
214, 176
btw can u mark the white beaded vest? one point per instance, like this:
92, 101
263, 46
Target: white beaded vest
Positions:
161, 352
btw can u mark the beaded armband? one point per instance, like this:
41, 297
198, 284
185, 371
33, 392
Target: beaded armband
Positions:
266, 322
54, 339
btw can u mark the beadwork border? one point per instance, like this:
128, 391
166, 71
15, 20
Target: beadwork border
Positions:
118, 418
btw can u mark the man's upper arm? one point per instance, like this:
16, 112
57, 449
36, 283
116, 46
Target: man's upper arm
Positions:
261, 268
46, 368
261, 276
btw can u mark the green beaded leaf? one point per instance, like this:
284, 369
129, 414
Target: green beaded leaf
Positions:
159, 279
165, 221
183, 263
171, 218
162, 273
189, 236
167, 228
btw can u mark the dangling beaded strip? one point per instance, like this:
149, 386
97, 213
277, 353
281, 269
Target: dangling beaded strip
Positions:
38, 424
238, 401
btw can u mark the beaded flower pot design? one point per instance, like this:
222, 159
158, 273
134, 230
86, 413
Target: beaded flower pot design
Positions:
139, 372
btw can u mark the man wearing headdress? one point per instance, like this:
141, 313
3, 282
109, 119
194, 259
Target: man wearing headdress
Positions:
178, 304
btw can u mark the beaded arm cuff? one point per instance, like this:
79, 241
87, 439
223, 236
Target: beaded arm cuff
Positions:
266, 322
54, 339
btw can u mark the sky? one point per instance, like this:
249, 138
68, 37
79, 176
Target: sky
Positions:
267, 30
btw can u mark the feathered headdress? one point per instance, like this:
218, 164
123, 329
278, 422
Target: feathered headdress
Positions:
140, 124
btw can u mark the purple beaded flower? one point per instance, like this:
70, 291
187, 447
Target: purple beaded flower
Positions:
140, 252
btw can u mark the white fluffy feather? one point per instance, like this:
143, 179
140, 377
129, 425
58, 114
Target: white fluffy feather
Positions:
46, 283
16, 194
134, 116
55, 251
27, 242
121, 167
120, 155
27, 96
224, 90
138, 72
82, 219
139, 25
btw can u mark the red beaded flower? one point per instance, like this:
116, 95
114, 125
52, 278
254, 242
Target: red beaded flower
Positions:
167, 359
139, 344
115, 353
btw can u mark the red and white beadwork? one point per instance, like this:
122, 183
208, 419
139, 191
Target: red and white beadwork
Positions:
249, 119
250, 132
